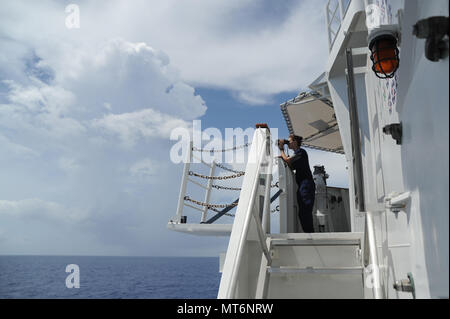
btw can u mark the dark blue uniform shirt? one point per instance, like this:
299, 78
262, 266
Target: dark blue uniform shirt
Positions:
300, 163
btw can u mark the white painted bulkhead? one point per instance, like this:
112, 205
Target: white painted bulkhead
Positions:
414, 239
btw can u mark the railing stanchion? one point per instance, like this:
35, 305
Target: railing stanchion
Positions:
341, 11
268, 179
327, 19
184, 180
208, 191
372, 245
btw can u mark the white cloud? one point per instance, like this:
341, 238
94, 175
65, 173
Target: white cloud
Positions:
39, 97
12, 150
39, 109
71, 99
254, 48
37, 209
140, 124
254, 61
73, 169
147, 171
132, 77
69, 165
253, 98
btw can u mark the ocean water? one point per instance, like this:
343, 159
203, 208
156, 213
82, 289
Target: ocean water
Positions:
110, 277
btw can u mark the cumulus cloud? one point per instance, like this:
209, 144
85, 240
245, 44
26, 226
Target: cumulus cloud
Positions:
254, 48
146, 123
66, 116
132, 77
86, 114
39, 108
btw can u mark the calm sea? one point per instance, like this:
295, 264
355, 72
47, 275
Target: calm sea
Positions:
110, 277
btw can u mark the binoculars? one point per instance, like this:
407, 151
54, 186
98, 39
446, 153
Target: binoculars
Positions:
284, 142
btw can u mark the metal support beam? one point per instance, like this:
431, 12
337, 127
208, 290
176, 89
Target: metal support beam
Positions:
355, 135
227, 209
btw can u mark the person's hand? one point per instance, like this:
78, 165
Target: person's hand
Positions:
281, 145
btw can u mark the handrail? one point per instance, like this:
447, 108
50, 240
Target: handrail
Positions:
332, 34
371, 253
245, 213
262, 237
267, 199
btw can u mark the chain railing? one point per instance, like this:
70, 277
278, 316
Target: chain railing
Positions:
227, 188
209, 205
212, 207
191, 173
239, 188
229, 169
206, 205
221, 150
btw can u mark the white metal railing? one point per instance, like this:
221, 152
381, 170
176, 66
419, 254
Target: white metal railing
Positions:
205, 205
185, 179
333, 20
248, 214
371, 254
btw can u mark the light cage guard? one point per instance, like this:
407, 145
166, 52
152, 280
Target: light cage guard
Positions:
384, 56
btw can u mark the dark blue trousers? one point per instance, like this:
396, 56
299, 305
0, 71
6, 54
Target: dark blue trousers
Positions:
305, 199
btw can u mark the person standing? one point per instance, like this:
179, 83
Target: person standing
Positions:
303, 176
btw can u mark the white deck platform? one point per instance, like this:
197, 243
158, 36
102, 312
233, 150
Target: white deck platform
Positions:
202, 229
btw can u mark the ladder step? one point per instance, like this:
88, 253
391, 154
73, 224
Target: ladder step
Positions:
315, 242
316, 270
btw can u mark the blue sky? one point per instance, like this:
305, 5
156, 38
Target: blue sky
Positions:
226, 111
86, 114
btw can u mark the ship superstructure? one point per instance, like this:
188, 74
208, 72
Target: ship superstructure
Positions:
386, 236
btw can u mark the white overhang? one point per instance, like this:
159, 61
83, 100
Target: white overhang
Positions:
312, 116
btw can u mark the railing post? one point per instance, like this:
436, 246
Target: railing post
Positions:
327, 19
341, 11
266, 211
184, 180
208, 191
372, 245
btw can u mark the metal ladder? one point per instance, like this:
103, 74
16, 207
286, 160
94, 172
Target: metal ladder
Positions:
319, 266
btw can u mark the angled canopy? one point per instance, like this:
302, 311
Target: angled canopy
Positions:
312, 116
